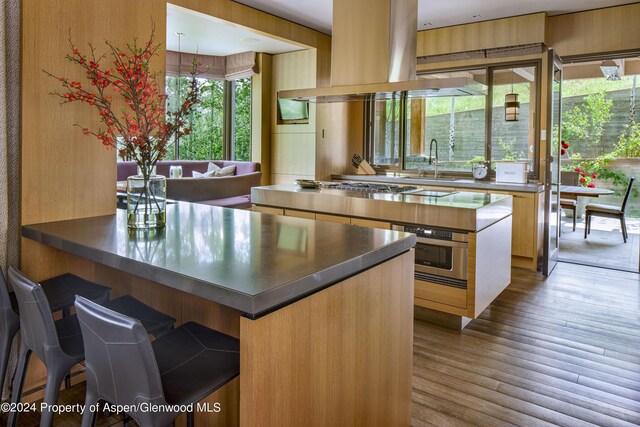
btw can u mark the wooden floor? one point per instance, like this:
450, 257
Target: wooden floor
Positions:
561, 351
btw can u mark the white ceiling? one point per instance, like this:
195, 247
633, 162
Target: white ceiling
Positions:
317, 14
207, 35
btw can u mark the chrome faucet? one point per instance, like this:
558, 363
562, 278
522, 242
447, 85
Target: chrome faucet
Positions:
436, 163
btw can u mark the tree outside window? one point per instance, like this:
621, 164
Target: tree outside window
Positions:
207, 138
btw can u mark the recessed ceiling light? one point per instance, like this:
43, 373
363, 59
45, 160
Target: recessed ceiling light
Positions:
250, 40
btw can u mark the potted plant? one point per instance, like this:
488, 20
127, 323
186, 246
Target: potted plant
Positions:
136, 124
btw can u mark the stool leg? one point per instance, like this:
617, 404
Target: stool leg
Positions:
18, 382
89, 417
51, 391
5, 350
575, 216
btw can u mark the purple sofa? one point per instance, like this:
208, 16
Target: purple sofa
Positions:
227, 191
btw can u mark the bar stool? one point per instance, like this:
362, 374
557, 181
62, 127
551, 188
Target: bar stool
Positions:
60, 292
58, 344
125, 368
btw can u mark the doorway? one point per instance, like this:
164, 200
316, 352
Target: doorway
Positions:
599, 153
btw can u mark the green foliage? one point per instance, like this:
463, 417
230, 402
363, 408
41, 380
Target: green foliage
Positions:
584, 123
629, 142
206, 140
242, 120
509, 151
582, 87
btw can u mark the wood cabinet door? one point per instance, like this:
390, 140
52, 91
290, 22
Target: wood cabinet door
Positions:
268, 209
333, 218
371, 223
524, 225
299, 214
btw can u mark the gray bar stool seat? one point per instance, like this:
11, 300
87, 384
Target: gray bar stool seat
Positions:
62, 290
125, 368
58, 344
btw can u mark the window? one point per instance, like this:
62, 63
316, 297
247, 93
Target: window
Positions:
513, 140
385, 137
221, 123
466, 129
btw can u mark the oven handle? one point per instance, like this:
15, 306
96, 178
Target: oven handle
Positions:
438, 242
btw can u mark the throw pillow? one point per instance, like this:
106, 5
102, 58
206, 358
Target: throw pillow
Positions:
212, 168
208, 174
227, 171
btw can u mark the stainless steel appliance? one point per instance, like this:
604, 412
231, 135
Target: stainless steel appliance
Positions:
441, 254
370, 187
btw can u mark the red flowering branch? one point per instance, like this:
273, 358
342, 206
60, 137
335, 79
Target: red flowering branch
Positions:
141, 130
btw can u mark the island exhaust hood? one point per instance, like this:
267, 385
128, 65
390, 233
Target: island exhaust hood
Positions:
373, 56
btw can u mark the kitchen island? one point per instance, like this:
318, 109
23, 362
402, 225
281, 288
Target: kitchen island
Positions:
528, 207
309, 301
463, 255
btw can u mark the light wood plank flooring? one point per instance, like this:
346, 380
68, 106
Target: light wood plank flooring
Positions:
563, 350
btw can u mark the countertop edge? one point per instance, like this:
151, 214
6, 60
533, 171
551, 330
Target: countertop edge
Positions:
251, 306
476, 185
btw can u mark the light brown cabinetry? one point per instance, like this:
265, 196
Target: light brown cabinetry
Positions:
333, 218
299, 214
523, 243
269, 210
433, 295
371, 223
526, 243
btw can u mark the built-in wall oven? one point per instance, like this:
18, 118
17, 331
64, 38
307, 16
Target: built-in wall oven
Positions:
441, 254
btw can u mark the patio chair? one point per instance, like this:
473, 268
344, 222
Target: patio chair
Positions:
569, 178
609, 211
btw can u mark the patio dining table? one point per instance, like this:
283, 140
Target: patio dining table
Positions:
575, 191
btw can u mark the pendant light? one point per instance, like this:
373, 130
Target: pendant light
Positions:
511, 105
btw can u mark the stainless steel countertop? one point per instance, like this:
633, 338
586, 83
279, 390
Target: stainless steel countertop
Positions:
460, 210
250, 261
453, 183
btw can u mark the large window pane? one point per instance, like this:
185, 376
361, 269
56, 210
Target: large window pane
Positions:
206, 138
514, 140
207, 120
241, 138
457, 123
386, 132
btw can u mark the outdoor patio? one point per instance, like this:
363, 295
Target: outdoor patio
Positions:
604, 246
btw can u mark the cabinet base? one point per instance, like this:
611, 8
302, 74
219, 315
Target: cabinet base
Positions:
450, 321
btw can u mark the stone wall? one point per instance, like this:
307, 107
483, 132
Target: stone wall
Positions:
470, 129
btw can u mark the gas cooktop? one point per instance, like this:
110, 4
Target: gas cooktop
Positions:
368, 187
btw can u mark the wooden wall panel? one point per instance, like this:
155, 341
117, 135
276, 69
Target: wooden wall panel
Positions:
596, 31
339, 136
261, 110
65, 174
361, 29
293, 148
295, 70
293, 154
519, 30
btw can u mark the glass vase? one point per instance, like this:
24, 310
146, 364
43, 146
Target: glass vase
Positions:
146, 201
